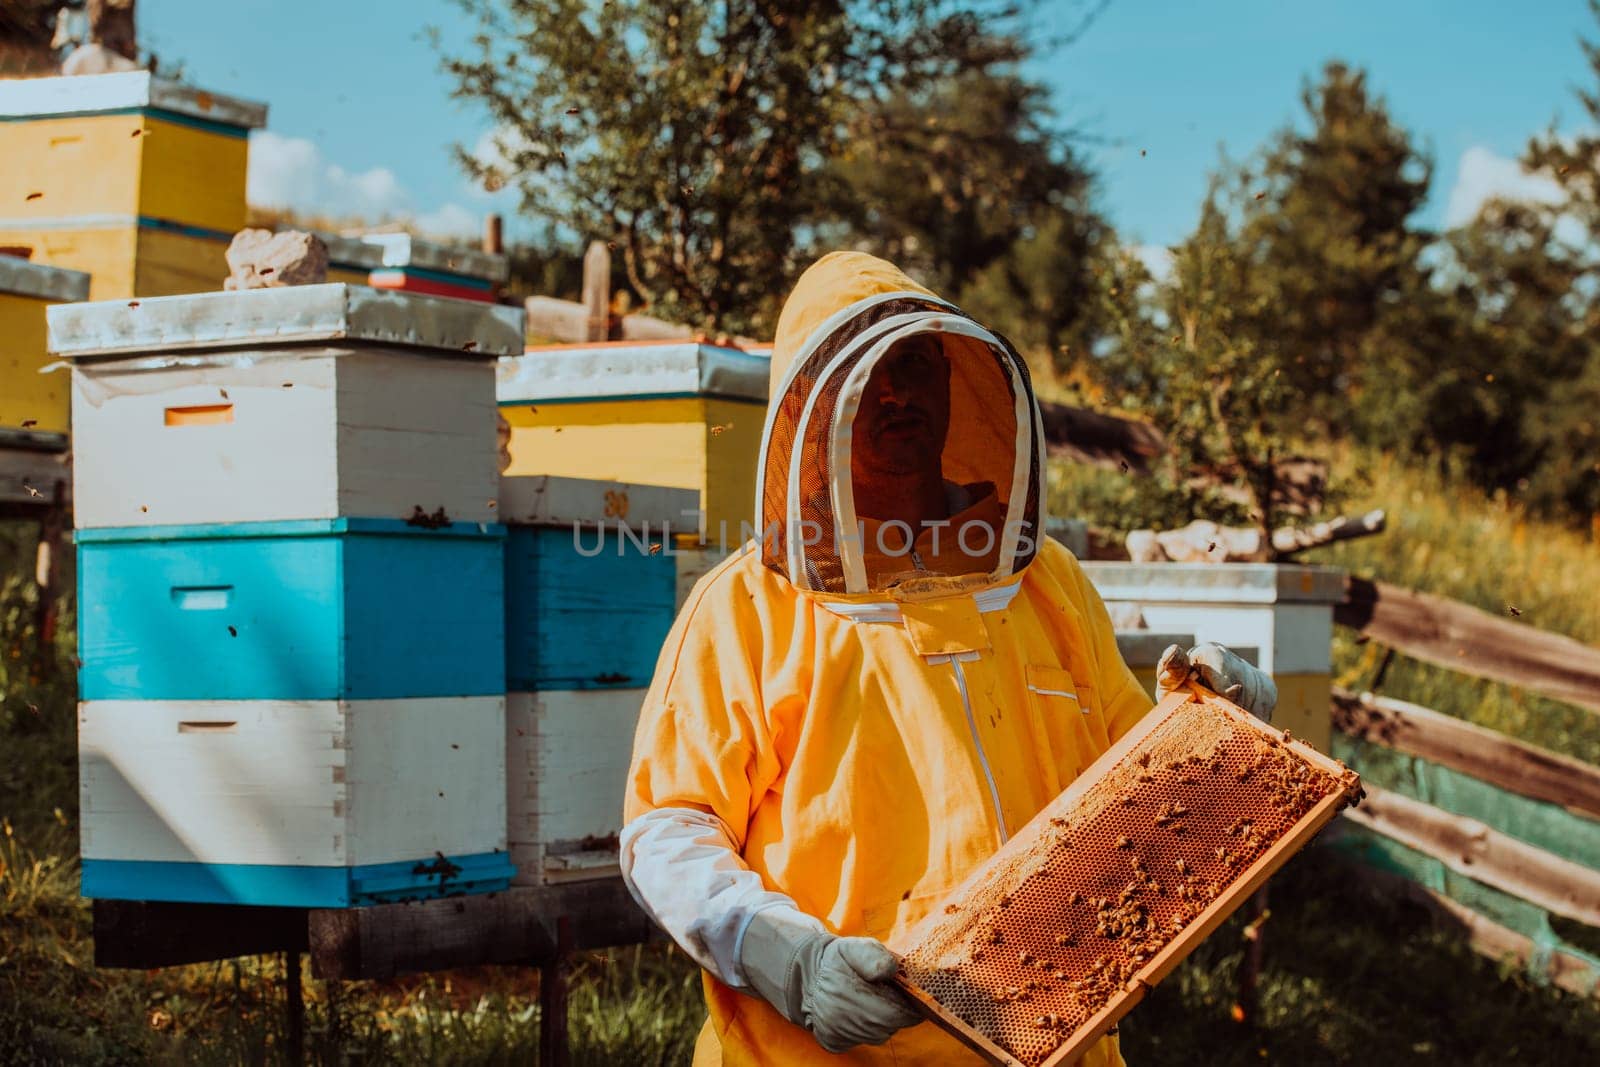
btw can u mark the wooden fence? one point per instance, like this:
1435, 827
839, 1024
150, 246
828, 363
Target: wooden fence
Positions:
1499, 838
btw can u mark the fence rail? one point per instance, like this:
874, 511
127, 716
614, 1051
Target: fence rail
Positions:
1483, 853
1499, 838
1482, 753
1460, 637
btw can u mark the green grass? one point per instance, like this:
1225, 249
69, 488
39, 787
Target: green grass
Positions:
1350, 977
1355, 977
638, 1005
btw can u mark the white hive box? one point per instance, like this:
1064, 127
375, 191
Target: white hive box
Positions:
306, 804
1284, 612
569, 751
549, 500
309, 402
575, 693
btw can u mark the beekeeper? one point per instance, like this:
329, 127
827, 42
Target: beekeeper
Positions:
858, 708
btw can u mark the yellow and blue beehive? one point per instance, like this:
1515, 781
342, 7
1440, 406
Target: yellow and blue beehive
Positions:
350, 259
590, 576
1283, 612
290, 595
407, 264
31, 401
673, 413
138, 180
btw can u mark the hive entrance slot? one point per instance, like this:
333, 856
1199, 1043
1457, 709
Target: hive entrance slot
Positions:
199, 415
207, 727
202, 597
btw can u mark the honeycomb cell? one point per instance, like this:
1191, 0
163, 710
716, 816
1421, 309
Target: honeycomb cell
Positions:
1122, 867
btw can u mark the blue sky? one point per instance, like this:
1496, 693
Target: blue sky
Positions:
360, 115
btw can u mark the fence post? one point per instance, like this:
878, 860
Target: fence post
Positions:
597, 291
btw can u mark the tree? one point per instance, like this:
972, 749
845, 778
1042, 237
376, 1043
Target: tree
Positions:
1563, 425
27, 29
692, 136
1325, 225
1573, 163
1191, 359
1505, 368
1041, 292
1474, 352
970, 184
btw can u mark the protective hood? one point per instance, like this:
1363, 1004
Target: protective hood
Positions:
843, 316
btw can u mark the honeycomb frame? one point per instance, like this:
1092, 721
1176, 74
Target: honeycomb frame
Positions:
1036, 955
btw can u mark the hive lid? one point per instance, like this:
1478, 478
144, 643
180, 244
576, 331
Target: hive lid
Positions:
351, 253
404, 250
376, 251
632, 370
549, 500
19, 277
261, 318
1044, 947
124, 91
1216, 583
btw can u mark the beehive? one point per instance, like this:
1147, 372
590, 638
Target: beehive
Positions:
1059, 935
414, 266
590, 574
138, 180
312, 402
672, 413
30, 401
1283, 611
293, 804
403, 263
350, 259
291, 611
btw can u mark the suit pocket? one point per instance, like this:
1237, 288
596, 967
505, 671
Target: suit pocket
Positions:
1053, 690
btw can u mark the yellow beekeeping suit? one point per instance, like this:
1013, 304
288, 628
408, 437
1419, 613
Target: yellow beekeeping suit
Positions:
867, 744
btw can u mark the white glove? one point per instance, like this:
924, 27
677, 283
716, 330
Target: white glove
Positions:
1221, 671
835, 987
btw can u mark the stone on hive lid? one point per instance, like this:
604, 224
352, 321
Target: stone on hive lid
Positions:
261, 259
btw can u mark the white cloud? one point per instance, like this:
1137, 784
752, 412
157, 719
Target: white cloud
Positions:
1157, 259
292, 172
449, 220
1483, 175
496, 147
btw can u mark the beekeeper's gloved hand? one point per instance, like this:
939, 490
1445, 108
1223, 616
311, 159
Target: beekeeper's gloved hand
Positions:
1220, 671
835, 987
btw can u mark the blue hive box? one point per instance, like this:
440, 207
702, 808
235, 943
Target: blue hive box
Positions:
591, 575
585, 622
322, 609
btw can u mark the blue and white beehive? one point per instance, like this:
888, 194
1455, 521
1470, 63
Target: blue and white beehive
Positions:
290, 595
590, 595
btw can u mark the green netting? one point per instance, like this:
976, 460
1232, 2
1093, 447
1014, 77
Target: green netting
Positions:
1550, 827
1515, 914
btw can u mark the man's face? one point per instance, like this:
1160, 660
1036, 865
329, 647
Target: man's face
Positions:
904, 415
